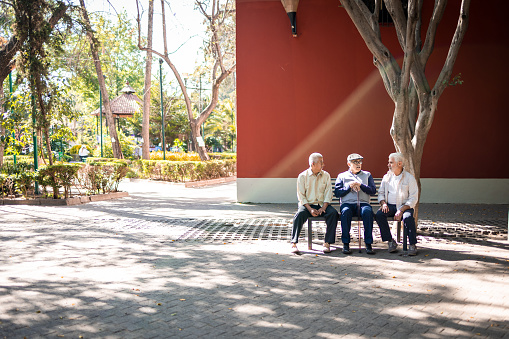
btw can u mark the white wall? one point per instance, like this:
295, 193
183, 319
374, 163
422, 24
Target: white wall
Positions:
467, 191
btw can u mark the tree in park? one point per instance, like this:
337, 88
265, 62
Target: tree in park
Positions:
121, 63
415, 99
36, 40
219, 18
94, 49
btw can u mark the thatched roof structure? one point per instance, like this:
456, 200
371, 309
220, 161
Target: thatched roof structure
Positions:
125, 105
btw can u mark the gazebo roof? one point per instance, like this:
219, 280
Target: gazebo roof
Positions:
125, 105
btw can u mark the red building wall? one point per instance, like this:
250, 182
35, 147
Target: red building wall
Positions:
320, 92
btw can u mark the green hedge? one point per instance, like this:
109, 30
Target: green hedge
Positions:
97, 177
179, 171
57, 176
102, 176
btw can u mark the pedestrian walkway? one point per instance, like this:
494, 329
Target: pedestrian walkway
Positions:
170, 261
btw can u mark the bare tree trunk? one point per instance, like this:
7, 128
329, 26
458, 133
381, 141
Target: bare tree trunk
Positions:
115, 142
215, 19
145, 126
414, 100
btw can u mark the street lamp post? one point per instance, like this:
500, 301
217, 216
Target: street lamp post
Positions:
13, 135
162, 109
202, 130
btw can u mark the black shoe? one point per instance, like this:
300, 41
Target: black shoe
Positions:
346, 249
369, 249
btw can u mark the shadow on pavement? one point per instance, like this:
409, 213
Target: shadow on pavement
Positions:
93, 282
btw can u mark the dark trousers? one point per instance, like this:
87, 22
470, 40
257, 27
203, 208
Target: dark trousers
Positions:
331, 219
408, 223
350, 210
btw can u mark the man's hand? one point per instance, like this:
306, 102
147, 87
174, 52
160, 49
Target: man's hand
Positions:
355, 186
322, 210
398, 215
384, 207
314, 213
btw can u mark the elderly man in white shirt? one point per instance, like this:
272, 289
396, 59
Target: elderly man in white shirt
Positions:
314, 191
398, 195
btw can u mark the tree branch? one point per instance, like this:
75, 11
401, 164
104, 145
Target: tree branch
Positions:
461, 28
383, 57
429, 43
164, 29
409, 46
418, 40
395, 9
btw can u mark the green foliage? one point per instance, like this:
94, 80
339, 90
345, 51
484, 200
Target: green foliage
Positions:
175, 156
180, 171
16, 124
25, 181
223, 155
127, 144
220, 130
103, 177
7, 184
57, 176
24, 165
456, 80
121, 60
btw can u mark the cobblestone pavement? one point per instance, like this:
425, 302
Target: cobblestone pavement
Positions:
173, 262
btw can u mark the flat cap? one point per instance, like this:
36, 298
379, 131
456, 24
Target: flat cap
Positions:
354, 156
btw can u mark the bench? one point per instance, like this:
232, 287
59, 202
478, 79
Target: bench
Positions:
373, 201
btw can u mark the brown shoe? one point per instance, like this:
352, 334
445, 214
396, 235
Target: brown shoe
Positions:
326, 247
294, 248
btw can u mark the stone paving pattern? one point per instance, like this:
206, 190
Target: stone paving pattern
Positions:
171, 261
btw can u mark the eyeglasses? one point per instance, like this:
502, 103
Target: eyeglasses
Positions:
356, 162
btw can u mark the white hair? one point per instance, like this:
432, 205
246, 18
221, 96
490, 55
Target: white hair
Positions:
397, 157
314, 157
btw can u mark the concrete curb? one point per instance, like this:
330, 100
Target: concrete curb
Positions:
210, 182
68, 201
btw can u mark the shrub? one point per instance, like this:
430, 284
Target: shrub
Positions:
175, 156
5, 182
223, 156
127, 144
22, 166
102, 177
57, 176
19, 158
25, 182
179, 171
8, 184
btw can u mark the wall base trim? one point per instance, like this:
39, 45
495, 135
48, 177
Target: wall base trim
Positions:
459, 191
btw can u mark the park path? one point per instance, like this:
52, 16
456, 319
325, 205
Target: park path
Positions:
174, 262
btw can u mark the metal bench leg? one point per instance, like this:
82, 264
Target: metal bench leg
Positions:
310, 234
398, 231
405, 236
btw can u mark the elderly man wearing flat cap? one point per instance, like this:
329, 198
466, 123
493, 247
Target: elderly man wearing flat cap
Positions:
354, 187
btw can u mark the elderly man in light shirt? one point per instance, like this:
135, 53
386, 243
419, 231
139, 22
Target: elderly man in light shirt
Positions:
398, 195
314, 191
